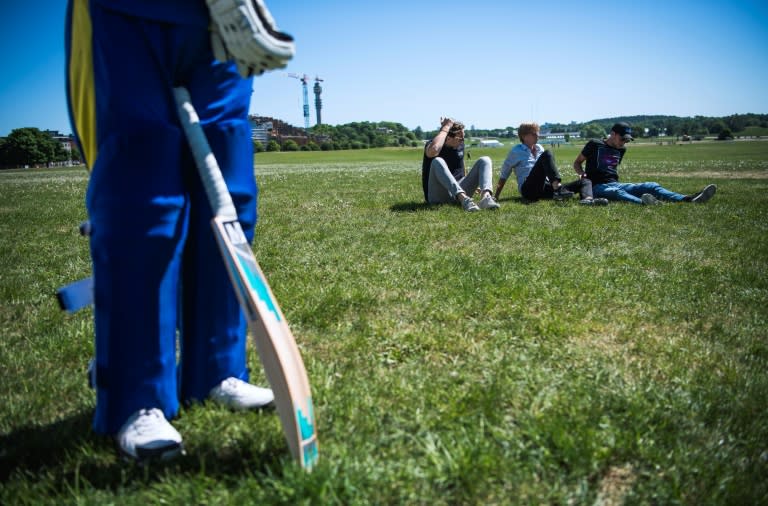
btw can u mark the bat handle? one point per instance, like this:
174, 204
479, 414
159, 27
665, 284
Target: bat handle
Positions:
207, 166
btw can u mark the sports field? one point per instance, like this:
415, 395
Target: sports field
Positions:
541, 354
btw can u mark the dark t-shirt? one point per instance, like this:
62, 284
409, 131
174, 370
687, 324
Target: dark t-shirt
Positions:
454, 159
602, 161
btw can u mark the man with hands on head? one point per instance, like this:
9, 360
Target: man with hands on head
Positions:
443, 175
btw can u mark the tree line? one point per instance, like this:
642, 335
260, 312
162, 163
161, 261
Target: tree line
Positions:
356, 135
647, 126
671, 126
33, 147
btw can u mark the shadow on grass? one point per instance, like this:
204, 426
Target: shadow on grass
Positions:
31, 449
67, 455
517, 200
412, 207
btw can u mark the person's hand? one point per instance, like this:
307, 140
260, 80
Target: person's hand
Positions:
244, 31
446, 122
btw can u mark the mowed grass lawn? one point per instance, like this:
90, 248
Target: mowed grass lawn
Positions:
541, 354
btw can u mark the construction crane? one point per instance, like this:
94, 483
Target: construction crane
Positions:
304, 80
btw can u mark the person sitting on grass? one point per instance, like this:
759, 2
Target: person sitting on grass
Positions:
442, 171
603, 159
536, 171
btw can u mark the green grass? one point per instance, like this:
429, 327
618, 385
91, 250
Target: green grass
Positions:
541, 354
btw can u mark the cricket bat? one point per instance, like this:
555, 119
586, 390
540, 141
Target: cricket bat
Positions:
274, 340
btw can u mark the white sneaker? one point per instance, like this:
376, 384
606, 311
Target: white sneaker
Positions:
237, 394
650, 200
148, 435
469, 205
488, 202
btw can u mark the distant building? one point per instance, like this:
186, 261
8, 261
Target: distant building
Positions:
264, 129
549, 137
490, 143
260, 130
67, 142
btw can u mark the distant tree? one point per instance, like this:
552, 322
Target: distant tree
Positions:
273, 146
724, 134
30, 146
737, 122
593, 131
418, 132
290, 145
258, 147
715, 127
75, 155
313, 146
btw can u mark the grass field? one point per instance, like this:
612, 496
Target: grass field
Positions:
541, 354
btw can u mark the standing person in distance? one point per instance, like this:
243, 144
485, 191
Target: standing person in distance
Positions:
156, 265
443, 175
536, 172
602, 159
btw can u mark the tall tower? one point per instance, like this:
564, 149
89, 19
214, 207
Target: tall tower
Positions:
318, 101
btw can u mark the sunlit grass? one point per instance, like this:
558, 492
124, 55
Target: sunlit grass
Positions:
544, 354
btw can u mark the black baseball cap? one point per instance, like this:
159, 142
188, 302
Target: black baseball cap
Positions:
624, 130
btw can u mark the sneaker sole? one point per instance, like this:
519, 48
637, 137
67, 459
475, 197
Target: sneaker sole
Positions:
145, 455
706, 194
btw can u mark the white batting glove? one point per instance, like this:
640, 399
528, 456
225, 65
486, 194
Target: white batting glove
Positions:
244, 31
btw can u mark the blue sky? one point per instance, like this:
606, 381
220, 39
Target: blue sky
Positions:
491, 64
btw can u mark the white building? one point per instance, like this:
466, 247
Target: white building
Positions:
260, 131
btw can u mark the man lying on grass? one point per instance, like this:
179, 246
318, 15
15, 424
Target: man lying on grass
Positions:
603, 159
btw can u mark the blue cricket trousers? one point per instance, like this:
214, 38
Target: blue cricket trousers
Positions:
159, 280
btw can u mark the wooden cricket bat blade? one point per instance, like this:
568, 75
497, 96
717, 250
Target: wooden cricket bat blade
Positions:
274, 341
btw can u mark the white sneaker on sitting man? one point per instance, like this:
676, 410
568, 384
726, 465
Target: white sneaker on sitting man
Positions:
148, 435
488, 202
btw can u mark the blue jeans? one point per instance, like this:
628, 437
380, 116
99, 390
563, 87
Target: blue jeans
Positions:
631, 192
